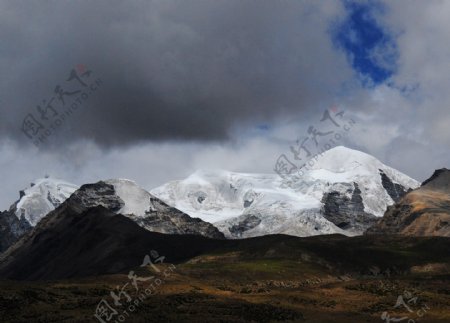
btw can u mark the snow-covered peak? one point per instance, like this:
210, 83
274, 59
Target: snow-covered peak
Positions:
43, 196
256, 204
345, 165
342, 159
341, 164
123, 196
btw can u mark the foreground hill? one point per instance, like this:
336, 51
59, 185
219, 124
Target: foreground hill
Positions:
275, 278
422, 212
70, 243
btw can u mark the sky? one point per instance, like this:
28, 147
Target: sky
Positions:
154, 90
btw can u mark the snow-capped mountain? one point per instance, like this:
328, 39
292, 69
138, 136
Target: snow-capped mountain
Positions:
343, 191
125, 197
35, 202
120, 196
43, 196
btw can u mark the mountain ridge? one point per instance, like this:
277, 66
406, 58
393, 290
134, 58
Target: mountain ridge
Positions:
343, 192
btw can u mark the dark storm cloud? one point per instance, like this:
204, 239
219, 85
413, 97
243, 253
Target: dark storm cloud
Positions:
171, 70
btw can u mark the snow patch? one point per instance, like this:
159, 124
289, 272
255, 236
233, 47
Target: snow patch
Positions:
136, 199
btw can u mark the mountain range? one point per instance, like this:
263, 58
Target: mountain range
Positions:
246, 247
119, 196
343, 192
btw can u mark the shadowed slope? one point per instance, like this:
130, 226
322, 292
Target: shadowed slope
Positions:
92, 242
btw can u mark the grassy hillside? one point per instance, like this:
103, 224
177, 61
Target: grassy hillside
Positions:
267, 279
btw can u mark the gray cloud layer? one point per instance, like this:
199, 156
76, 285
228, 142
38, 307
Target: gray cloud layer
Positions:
177, 70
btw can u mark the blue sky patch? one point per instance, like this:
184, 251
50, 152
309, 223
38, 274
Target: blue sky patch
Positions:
263, 127
371, 51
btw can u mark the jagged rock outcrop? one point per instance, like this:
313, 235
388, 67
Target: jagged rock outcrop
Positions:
97, 194
346, 210
421, 212
11, 229
166, 219
249, 222
395, 191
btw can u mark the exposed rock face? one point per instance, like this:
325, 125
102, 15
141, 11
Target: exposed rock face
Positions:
422, 212
395, 191
249, 197
250, 222
346, 210
11, 229
166, 219
98, 194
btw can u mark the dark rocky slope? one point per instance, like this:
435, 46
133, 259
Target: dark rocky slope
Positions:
11, 229
347, 212
422, 212
75, 242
